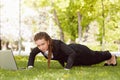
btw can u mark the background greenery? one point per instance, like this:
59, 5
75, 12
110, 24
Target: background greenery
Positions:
105, 12
99, 22
56, 72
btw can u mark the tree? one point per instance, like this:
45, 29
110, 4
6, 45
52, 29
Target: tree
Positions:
58, 23
107, 16
0, 44
79, 27
105, 12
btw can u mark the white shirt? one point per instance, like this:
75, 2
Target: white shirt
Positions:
46, 54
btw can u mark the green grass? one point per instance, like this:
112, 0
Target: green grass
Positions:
56, 72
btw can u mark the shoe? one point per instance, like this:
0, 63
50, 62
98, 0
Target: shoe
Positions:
110, 64
113, 64
106, 64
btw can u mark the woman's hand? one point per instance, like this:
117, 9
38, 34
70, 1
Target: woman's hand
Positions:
30, 67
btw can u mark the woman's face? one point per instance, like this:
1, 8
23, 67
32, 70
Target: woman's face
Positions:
42, 44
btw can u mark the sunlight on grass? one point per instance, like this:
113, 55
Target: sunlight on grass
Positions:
57, 72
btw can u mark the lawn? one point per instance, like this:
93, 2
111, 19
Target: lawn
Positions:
56, 72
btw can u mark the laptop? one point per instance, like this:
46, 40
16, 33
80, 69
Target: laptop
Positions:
7, 60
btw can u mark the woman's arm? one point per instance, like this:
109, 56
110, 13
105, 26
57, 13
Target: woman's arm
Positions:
62, 63
70, 53
31, 59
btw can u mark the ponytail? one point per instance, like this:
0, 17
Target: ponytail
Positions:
49, 53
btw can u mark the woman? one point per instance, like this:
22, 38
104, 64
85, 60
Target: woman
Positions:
72, 54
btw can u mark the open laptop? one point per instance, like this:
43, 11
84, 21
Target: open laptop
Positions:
7, 60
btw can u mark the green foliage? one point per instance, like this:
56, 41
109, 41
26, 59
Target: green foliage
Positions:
36, 3
70, 23
109, 20
90, 10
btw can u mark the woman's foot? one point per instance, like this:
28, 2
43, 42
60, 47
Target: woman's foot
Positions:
112, 61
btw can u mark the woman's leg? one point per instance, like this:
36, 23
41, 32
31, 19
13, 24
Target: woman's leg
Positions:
94, 57
97, 57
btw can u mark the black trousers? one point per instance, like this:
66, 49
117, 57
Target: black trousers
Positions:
94, 58
86, 56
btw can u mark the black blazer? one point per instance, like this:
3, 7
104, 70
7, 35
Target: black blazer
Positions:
61, 52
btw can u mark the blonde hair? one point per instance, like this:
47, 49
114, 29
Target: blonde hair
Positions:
44, 35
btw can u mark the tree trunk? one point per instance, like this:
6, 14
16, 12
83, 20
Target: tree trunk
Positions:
103, 28
57, 22
79, 27
0, 44
7, 45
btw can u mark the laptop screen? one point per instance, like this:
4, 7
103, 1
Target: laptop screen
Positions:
7, 60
